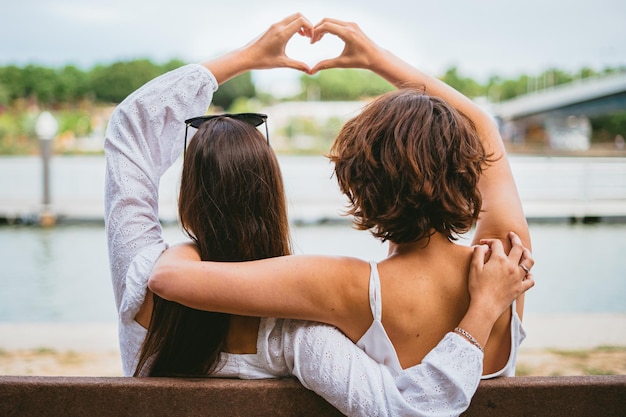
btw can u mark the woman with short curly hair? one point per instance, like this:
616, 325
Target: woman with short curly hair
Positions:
410, 165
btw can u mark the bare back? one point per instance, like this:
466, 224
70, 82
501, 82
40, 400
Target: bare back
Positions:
425, 295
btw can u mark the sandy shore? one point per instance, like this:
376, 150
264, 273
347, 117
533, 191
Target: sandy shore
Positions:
556, 345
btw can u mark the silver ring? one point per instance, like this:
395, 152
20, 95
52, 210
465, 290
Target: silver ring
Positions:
524, 268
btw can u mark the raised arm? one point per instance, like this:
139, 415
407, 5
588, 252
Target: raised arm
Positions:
502, 208
266, 51
144, 138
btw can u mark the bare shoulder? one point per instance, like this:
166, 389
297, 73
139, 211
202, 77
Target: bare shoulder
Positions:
185, 251
350, 286
329, 266
183, 247
350, 274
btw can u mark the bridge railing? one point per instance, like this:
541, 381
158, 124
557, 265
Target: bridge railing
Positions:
563, 95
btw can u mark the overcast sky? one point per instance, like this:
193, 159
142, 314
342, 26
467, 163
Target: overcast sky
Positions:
480, 37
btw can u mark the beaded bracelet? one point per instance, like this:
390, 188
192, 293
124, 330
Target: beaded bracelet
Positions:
469, 337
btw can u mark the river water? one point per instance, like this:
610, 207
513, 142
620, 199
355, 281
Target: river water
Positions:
61, 274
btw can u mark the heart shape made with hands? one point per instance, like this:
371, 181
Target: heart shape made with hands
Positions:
301, 49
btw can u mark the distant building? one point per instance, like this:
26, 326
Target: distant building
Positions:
308, 125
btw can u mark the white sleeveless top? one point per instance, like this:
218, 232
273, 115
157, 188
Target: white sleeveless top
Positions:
376, 343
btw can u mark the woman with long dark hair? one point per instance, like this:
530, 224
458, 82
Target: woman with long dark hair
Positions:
232, 207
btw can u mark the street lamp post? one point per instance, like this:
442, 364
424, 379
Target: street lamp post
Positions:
46, 128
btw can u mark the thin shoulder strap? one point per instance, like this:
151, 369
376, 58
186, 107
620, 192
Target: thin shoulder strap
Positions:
376, 302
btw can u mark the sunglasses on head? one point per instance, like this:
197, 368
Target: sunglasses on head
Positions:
253, 119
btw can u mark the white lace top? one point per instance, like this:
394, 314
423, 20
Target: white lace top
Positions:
144, 138
376, 343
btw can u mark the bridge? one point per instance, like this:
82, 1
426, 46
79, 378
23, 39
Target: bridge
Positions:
561, 114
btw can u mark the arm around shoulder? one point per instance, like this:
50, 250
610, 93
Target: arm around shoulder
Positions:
328, 289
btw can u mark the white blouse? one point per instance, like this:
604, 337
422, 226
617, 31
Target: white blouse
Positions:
143, 139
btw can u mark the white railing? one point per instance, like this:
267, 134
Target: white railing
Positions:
549, 187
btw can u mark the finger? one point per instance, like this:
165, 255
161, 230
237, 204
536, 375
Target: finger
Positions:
294, 18
517, 248
318, 34
325, 64
486, 241
479, 257
307, 33
527, 258
298, 24
334, 27
297, 65
526, 262
330, 20
528, 283
496, 246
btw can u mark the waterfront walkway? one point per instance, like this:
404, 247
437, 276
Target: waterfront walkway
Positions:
575, 188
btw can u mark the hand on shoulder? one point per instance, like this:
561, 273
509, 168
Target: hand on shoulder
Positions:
497, 279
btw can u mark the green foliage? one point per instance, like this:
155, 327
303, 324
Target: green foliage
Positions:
343, 85
77, 122
72, 85
71, 92
245, 105
605, 128
171, 65
10, 80
306, 134
4, 95
233, 89
512, 88
30, 81
466, 85
113, 83
15, 134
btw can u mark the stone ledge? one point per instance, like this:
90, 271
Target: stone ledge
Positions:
112, 396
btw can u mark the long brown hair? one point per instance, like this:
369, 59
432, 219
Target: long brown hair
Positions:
232, 205
409, 165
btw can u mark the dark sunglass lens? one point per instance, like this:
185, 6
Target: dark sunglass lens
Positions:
252, 118
196, 122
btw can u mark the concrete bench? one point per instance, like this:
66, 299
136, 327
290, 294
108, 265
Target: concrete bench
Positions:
603, 396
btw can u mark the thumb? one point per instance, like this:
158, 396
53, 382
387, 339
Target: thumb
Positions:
326, 64
297, 65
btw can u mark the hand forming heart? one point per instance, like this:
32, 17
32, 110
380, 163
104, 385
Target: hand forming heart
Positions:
312, 47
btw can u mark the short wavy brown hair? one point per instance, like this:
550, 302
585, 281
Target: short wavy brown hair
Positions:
409, 164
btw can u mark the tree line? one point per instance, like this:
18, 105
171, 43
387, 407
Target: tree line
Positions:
52, 87
112, 83
73, 93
